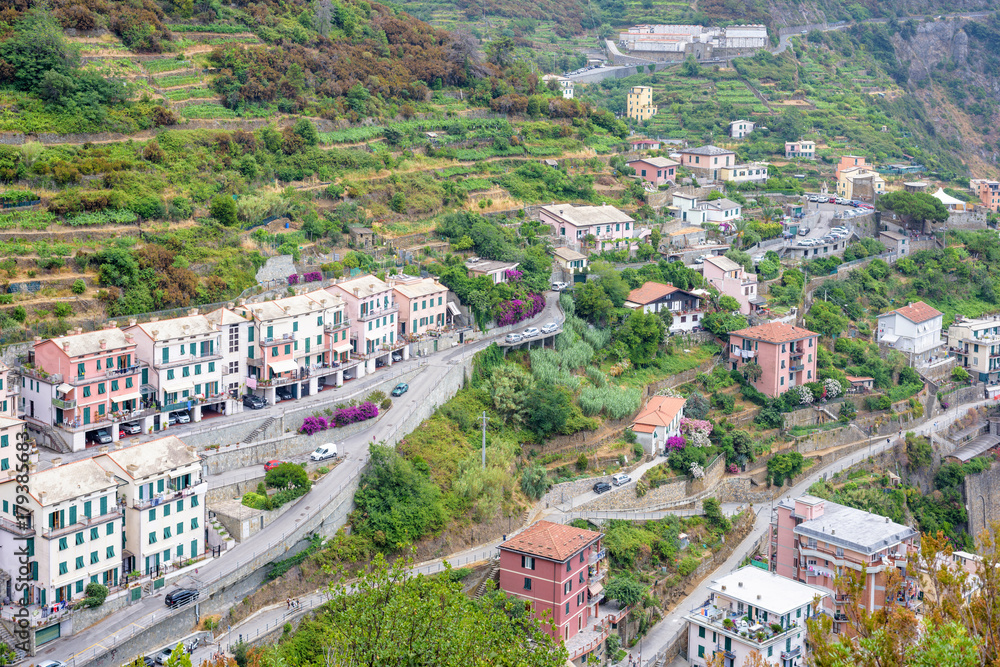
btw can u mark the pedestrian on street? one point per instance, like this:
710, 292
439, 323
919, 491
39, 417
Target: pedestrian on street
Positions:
288, 603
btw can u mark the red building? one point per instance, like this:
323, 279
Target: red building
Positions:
558, 571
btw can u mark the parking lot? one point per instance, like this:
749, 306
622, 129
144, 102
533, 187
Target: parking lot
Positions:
820, 218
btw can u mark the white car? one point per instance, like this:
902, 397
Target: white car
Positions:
550, 327
530, 332
513, 338
323, 452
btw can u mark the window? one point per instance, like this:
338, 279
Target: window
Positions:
114, 385
197, 369
234, 368
152, 514
581, 556
180, 505
152, 538
81, 369
180, 528
128, 383
194, 523
63, 568
170, 374
527, 562
701, 633
79, 538
569, 566
79, 562
568, 587
527, 584
274, 351
288, 349
63, 544
111, 528
567, 607
234, 339
95, 533
86, 392
581, 576
111, 552
194, 501
166, 510
701, 649
94, 558
167, 533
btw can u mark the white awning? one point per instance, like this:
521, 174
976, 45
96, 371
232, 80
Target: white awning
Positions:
283, 366
343, 347
177, 387
64, 388
889, 340
453, 308
129, 397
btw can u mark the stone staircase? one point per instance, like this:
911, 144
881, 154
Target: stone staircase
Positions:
492, 575
55, 439
259, 431
221, 535
7, 637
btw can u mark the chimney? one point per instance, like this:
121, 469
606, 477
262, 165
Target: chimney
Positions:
155, 332
740, 584
38, 339
129, 338
65, 346
357, 290
287, 309
103, 450
215, 326
758, 596
192, 312
887, 519
132, 468
79, 330
57, 461
185, 327
241, 302
132, 321
154, 319
109, 475
70, 332
41, 496
113, 324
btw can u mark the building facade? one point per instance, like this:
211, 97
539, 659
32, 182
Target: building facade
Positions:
610, 227
849, 162
893, 242
639, 105
800, 149
988, 192
741, 128
235, 343
786, 355
707, 162
374, 314
975, 344
814, 541
721, 626
684, 307
658, 421
10, 393
9, 428
656, 170
914, 330
569, 260
754, 172
731, 279
423, 304
860, 183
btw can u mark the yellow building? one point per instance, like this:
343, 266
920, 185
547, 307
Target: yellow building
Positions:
860, 183
640, 103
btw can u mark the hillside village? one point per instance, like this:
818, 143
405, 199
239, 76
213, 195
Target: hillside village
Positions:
696, 365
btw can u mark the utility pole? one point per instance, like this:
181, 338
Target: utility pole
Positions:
484, 439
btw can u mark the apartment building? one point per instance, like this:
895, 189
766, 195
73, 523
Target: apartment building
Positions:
659, 420
184, 366
423, 305
849, 162
374, 313
769, 601
731, 279
914, 330
164, 502
558, 571
988, 192
894, 242
610, 227
82, 383
741, 128
70, 523
562, 83
569, 260
706, 162
975, 344
294, 342
10, 392
639, 103
684, 306
753, 172
860, 183
814, 541
801, 149
786, 355
235, 343
656, 170
9, 428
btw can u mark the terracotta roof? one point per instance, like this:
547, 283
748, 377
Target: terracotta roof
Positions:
643, 428
553, 541
916, 312
774, 332
650, 292
858, 378
660, 410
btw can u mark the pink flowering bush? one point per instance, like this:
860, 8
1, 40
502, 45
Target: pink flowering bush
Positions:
311, 425
312, 276
732, 469
293, 279
356, 413
513, 275
697, 431
513, 311
675, 442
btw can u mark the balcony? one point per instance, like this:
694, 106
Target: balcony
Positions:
63, 404
53, 532
277, 340
257, 362
839, 617
330, 327
21, 529
169, 496
594, 557
794, 653
178, 405
185, 359
797, 352
733, 624
591, 637
796, 367
374, 314
841, 598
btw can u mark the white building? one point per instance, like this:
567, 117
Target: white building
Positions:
659, 420
10, 392
769, 601
164, 499
721, 210
185, 365
9, 428
914, 330
801, 148
565, 85
235, 343
741, 128
71, 526
753, 172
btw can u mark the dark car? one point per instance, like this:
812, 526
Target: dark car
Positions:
400, 389
271, 465
180, 596
284, 395
253, 402
379, 363
601, 487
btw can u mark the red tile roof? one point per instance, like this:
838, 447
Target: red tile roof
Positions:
917, 312
650, 292
859, 378
659, 411
553, 541
774, 332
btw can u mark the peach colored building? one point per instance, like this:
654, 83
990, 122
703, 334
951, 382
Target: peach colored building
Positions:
814, 540
82, 383
659, 420
732, 280
706, 162
987, 191
374, 314
655, 170
560, 570
786, 355
849, 162
423, 304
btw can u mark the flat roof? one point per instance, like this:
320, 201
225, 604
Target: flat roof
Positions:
80, 344
68, 481
707, 150
489, 266
975, 447
418, 288
363, 286
659, 162
580, 216
766, 590
153, 457
177, 327
568, 254
854, 529
296, 305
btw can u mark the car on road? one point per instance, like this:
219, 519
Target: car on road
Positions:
323, 452
283, 394
400, 389
550, 327
620, 479
181, 417
831, 200
396, 357
52, 663
601, 487
559, 286
530, 332
513, 338
804, 231
271, 465
175, 598
253, 402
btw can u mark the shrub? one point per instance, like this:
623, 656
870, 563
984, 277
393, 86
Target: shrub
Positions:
629, 436
312, 276
637, 450
293, 279
255, 501
356, 413
675, 442
79, 286
535, 481
687, 565
386, 403
322, 470
311, 425
959, 374
581, 462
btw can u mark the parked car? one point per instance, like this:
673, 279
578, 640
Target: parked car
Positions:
164, 655
700, 260
101, 437
178, 597
550, 327
323, 452
254, 402
400, 389
57, 663
831, 200
620, 479
379, 363
601, 487
283, 394
513, 338
804, 231
396, 357
530, 332
147, 661
132, 428
271, 465
181, 417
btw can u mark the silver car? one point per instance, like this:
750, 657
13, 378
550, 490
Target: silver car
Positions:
530, 332
513, 338
550, 327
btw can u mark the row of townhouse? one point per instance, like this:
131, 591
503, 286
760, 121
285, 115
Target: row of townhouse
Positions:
139, 508
96, 387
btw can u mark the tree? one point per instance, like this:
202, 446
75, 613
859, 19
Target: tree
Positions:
626, 590
179, 657
305, 129
714, 515
721, 324
36, 48
752, 371
551, 406
223, 209
286, 476
642, 334
592, 303
825, 318
697, 406
500, 52
914, 206
535, 481
728, 304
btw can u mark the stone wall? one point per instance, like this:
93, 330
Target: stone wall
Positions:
968, 219
982, 497
672, 493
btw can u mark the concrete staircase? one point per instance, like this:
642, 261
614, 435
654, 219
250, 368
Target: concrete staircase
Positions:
55, 440
492, 575
218, 535
259, 431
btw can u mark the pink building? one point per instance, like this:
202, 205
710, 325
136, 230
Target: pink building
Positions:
374, 314
655, 170
786, 355
643, 144
849, 162
84, 384
610, 227
706, 162
558, 571
423, 304
814, 540
732, 280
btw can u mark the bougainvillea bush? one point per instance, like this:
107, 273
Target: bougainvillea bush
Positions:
513, 311
312, 425
697, 431
312, 276
675, 442
355, 413
513, 275
293, 279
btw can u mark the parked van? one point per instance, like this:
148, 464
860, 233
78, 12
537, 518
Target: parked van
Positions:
323, 452
620, 479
